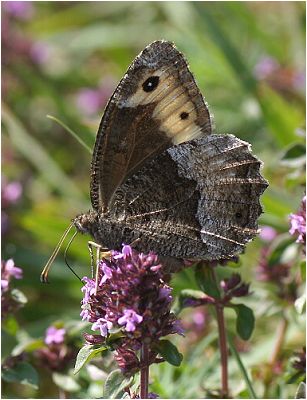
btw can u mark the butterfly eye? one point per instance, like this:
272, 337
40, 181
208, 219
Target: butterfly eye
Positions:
150, 84
184, 115
239, 215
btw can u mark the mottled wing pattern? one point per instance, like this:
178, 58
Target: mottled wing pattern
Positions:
157, 104
197, 199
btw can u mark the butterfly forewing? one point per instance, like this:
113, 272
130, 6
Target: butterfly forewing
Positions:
156, 105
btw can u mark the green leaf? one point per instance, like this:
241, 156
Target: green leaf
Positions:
297, 150
22, 373
245, 321
86, 353
65, 382
301, 391
205, 279
115, 384
170, 352
10, 325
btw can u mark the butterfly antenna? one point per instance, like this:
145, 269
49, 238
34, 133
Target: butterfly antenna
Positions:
45, 272
65, 255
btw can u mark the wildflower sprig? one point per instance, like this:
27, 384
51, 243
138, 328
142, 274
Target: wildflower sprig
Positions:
129, 307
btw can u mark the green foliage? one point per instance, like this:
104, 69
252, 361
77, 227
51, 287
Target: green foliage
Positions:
245, 321
115, 384
206, 281
86, 353
22, 373
170, 352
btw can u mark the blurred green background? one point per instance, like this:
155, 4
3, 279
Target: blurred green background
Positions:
64, 59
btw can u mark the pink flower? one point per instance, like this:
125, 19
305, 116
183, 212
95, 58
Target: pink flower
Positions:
268, 233
298, 223
130, 319
19, 9
103, 325
54, 335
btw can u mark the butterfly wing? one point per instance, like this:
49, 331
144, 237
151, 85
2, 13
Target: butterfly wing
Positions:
157, 104
198, 199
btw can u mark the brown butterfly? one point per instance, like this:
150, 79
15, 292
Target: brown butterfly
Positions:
159, 178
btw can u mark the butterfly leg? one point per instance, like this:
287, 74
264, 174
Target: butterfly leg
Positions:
100, 253
134, 242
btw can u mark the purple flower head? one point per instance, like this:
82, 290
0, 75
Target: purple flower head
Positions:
19, 9
90, 101
54, 335
9, 303
10, 192
130, 319
133, 298
298, 223
8, 271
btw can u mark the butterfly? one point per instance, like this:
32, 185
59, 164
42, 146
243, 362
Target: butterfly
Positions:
160, 178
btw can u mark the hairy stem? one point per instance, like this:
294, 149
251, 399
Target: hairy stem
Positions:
144, 371
223, 349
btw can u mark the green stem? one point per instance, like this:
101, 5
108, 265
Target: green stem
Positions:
242, 368
73, 134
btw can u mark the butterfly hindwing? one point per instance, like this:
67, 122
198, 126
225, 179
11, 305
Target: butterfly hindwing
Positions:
206, 205
156, 105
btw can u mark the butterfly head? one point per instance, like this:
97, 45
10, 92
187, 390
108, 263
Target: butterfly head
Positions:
85, 223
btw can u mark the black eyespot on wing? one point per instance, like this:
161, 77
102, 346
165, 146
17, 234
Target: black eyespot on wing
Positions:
151, 83
184, 115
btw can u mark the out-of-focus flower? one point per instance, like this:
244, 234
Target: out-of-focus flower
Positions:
40, 53
267, 233
274, 271
22, 10
54, 335
91, 101
10, 192
266, 272
56, 355
300, 362
234, 287
298, 223
265, 67
9, 301
132, 297
9, 271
